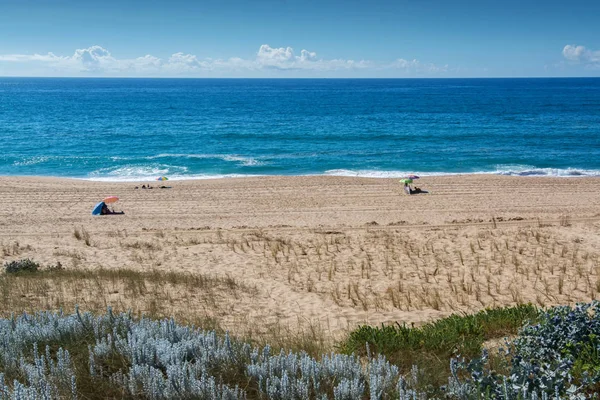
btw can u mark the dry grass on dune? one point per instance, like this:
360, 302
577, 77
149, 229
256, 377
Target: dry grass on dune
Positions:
200, 300
186, 297
260, 282
444, 270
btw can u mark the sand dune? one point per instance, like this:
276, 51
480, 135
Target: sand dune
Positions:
334, 251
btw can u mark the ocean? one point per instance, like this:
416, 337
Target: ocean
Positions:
139, 129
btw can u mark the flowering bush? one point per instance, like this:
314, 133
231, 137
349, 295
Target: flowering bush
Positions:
115, 355
163, 360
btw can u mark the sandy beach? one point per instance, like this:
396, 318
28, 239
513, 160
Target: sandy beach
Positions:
332, 251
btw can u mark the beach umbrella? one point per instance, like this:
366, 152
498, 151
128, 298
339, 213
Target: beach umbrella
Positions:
98, 208
111, 199
412, 177
162, 178
406, 180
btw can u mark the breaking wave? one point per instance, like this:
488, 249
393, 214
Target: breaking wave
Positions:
141, 173
510, 171
240, 160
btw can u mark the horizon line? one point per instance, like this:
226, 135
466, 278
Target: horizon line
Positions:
296, 78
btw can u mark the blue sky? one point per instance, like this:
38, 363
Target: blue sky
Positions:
293, 38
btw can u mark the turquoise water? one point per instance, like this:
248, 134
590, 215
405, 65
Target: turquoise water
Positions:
136, 129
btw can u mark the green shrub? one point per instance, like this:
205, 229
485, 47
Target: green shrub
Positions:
25, 265
461, 333
431, 346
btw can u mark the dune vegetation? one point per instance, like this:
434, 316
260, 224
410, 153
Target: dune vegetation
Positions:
142, 353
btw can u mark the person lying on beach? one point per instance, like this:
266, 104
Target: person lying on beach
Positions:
107, 211
417, 190
110, 212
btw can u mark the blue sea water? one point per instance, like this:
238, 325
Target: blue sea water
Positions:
137, 129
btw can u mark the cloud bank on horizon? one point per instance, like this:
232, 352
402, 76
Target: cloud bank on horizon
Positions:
268, 61
278, 61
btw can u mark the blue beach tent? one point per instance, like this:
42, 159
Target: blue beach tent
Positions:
98, 208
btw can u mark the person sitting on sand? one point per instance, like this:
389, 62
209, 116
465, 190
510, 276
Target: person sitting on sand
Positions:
407, 188
107, 211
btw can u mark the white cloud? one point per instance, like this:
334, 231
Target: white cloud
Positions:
50, 57
94, 55
404, 64
581, 55
98, 61
284, 58
187, 60
416, 67
90, 59
148, 61
268, 54
307, 55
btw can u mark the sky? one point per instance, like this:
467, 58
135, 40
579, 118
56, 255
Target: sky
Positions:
300, 38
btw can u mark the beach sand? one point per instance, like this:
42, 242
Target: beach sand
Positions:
333, 252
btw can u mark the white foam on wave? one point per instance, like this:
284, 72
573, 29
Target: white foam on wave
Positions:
245, 161
148, 172
366, 173
133, 173
171, 177
145, 173
33, 160
27, 161
241, 160
528, 170
513, 170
